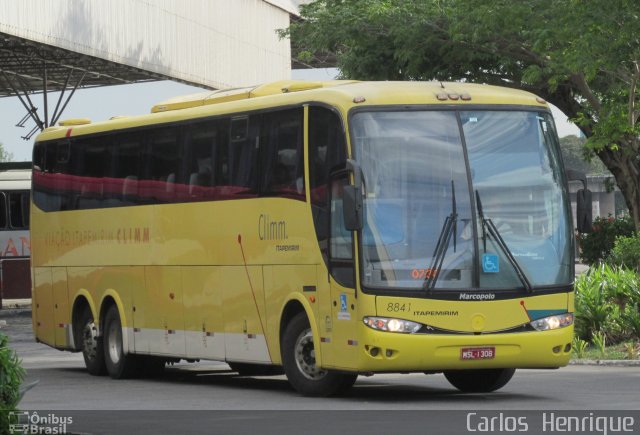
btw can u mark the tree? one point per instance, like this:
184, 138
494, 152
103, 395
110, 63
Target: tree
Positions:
5, 156
579, 158
581, 55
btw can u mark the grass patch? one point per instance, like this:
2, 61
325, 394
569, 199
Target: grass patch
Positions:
621, 351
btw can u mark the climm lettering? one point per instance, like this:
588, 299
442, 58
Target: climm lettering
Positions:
271, 229
132, 235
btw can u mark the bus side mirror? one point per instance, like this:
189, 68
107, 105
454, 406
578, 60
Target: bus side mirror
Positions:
352, 208
583, 211
584, 219
352, 199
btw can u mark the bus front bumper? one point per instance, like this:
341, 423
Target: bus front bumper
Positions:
395, 352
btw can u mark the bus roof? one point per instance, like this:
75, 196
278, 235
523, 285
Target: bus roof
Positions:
15, 175
343, 94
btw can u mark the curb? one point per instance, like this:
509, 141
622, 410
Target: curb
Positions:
15, 312
605, 362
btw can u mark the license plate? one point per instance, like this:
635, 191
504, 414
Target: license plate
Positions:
477, 352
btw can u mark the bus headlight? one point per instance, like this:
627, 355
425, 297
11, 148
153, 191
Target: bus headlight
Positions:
553, 322
392, 325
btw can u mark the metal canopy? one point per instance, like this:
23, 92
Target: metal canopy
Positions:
28, 67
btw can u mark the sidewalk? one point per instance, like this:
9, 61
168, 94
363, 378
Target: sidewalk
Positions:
15, 307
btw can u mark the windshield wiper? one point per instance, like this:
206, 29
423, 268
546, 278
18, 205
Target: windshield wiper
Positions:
489, 226
449, 228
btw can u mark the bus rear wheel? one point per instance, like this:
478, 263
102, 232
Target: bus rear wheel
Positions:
299, 362
119, 365
479, 380
91, 344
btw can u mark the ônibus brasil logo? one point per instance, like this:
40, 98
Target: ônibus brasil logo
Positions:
25, 422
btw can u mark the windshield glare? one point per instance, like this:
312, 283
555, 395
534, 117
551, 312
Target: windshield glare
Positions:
421, 200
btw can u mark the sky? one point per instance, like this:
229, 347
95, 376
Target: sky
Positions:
99, 104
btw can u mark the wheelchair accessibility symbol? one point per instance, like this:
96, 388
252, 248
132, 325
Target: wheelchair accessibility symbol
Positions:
490, 263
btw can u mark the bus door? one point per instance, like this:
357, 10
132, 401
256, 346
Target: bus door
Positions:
339, 347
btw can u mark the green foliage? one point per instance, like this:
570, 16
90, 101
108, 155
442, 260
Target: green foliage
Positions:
631, 320
579, 347
11, 376
600, 340
607, 302
626, 252
632, 350
597, 245
593, 311
580, 55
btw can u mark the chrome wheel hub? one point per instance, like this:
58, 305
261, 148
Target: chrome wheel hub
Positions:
305, 356
89, 341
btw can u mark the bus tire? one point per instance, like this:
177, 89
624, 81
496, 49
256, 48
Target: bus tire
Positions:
248, 369
479, 380
119, 365
92, 349
298, 357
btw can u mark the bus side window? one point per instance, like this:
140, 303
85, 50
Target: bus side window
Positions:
162, 161
57, 167
126, 169
200, 139
341, 240
3, 211
243, 156
221, 155
327, 152
26, 206
17, 217
89, 169
281, 159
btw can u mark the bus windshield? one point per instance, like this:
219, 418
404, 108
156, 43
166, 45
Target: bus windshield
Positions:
462, 200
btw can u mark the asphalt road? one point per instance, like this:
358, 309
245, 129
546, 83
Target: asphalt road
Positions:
209, 398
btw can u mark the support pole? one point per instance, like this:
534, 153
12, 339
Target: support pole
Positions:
53, 121
31, 109
45, 95
64, 89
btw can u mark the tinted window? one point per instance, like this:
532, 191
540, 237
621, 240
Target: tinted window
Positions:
206, 160
327, 152
91, 159
161, 159
243, 155
282, 163
3, 211
18, 209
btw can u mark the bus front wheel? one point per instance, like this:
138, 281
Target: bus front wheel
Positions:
91, 344
299, 362
479, 380
119, 365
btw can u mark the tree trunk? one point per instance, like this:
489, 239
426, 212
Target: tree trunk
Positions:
620, 162
627, 177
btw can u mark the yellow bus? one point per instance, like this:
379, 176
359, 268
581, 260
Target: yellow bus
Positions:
323, 229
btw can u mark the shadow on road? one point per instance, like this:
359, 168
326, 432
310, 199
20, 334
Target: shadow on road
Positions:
366, 389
